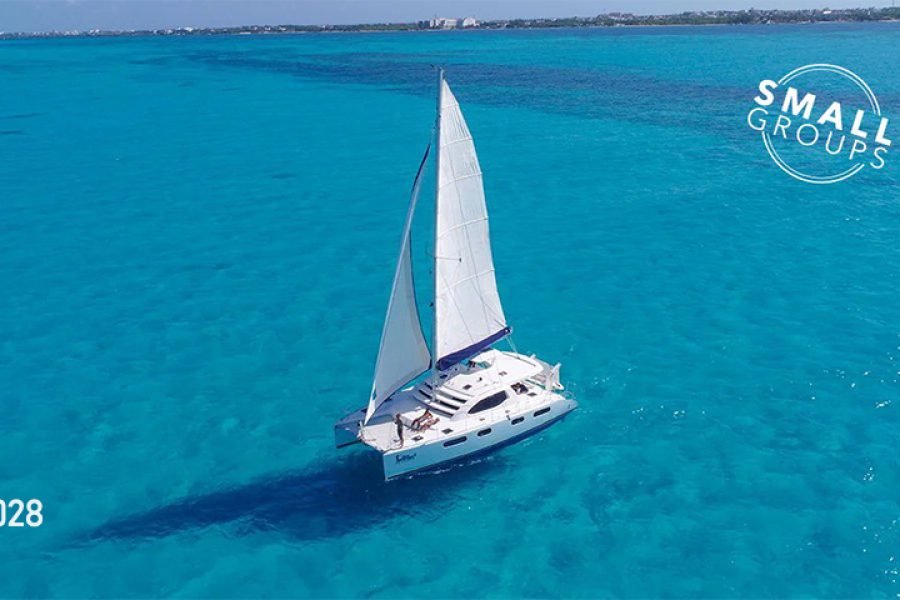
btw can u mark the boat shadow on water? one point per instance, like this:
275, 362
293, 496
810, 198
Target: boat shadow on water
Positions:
337, 497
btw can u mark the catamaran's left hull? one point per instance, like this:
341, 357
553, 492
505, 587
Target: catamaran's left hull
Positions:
346, 431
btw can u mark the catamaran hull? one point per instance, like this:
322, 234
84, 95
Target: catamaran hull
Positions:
400, 462
346, 431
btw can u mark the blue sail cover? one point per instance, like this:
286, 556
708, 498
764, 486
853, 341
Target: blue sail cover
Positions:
461, 355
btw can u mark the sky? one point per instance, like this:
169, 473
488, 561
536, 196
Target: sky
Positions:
47, 15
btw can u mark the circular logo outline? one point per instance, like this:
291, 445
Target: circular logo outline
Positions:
816, 179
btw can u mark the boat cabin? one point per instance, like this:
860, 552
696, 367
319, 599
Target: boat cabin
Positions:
463, 399
482, 383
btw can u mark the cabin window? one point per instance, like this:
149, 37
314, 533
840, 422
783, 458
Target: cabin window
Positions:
458, 440
418, 438
543, 411
488, 403
446, 431
518, 420
484, 432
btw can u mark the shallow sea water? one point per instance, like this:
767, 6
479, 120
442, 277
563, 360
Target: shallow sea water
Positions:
196, 244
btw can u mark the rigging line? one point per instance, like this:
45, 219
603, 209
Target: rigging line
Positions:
498, 318
512, 344
478, 173
501, 322
473, 276
487, 250
466, 224
458, 204
459, 311
467, 138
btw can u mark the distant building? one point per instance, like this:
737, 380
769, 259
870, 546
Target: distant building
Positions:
441, 23
444, 23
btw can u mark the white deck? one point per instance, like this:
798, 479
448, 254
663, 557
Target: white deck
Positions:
524, 381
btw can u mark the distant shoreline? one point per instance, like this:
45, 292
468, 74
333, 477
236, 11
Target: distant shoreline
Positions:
611, 20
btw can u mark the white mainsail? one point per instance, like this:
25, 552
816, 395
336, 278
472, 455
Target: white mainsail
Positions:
403, 354
467, 311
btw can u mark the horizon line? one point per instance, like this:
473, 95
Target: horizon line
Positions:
620, 17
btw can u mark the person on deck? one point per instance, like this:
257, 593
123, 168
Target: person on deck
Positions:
399, 428
423, 422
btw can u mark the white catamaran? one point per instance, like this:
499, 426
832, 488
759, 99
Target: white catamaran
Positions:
475, 398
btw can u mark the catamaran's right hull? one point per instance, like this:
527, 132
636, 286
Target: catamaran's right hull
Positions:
479, 442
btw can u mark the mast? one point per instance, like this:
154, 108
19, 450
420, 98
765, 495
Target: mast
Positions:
437, 189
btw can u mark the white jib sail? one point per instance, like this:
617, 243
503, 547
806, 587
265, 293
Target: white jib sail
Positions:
468, 313
403, 354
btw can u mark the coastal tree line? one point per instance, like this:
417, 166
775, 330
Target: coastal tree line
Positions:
719, 17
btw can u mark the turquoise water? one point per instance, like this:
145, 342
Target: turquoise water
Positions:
196, 245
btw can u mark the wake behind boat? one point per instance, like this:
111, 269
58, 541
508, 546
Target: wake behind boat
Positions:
476, 398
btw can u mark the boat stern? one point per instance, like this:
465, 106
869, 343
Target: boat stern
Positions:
346, 431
